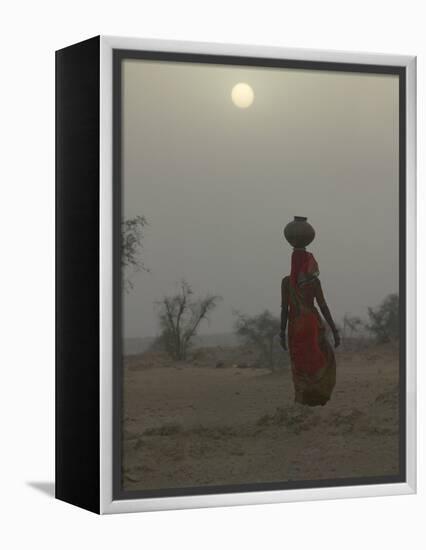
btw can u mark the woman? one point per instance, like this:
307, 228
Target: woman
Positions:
312, 358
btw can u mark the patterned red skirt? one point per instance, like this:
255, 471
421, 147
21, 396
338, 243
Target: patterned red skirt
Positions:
312, 358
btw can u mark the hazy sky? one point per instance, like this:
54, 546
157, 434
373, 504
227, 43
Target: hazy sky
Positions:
218, 184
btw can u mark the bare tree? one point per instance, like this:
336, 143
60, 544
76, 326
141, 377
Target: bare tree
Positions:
180, 317
132, 232
351, 326
259, 331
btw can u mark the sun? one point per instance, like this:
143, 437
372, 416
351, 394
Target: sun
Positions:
242, 95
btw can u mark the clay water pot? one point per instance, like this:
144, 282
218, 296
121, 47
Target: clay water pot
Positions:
299, 233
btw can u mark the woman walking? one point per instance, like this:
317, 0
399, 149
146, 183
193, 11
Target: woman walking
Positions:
312, 358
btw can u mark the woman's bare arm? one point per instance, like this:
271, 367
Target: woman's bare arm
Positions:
284, 311
322, 304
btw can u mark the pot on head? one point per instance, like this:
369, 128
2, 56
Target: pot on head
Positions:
299, 233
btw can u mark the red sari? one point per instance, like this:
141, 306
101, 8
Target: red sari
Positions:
312, 358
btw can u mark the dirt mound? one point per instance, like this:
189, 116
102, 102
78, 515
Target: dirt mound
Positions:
346, 421
296, 418
384, 413
165, 429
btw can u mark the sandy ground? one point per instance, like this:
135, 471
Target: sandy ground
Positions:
212, 422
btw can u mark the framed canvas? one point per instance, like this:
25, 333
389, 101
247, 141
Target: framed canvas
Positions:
236, 259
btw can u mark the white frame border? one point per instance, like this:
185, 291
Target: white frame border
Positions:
107, 504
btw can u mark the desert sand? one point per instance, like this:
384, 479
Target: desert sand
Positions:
215, 420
